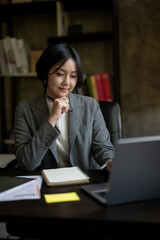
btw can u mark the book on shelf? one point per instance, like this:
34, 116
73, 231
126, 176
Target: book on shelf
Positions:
17, 55
92, 88
7, 55
11, 54
24, 51
99, 86
14, 55
107, 85
64, 176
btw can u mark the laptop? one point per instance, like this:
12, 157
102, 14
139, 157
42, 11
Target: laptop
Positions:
135, 174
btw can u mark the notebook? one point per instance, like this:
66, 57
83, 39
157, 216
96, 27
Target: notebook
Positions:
135, 174
64, 176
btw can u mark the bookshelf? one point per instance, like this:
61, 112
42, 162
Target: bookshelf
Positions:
10, 11
20, 75
93, 36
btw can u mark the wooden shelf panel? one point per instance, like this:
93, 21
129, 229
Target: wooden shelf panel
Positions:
50, 6
18, 75
107, 35
72, 5
32, 7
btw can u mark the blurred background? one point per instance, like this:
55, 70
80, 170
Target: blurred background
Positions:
121, 37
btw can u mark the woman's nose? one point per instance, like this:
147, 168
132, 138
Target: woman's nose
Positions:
67, 79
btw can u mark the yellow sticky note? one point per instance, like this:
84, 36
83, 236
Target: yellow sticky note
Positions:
61, 197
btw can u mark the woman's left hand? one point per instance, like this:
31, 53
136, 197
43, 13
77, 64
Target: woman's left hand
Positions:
109, 164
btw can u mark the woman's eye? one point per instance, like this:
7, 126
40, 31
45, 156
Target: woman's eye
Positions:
60, 74
73, 76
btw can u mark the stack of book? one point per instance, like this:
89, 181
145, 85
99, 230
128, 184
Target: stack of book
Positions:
14, 55
64, 176
99, 86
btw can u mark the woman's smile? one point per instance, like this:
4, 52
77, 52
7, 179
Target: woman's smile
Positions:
64, 89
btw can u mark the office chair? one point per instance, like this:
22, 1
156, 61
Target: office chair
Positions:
112, 116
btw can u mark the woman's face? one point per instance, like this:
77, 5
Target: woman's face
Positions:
62, 81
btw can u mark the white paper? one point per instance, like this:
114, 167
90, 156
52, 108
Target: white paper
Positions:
31, 192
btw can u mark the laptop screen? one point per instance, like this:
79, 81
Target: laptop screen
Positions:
134, 175
135, 172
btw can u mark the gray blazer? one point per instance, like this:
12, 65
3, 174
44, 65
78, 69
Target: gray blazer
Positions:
35, 137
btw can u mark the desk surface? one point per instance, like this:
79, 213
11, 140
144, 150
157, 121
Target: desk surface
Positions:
86, 211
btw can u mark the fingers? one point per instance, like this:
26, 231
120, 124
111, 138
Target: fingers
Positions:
62, 104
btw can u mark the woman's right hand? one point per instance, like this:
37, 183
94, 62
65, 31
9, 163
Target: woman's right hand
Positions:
60, 106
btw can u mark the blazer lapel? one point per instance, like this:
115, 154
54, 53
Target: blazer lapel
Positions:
74, 119
40, 109
41, 112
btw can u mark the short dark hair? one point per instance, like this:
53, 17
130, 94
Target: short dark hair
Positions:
54, 54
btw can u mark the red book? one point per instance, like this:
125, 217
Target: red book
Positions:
100, 89
106, 81
103, 84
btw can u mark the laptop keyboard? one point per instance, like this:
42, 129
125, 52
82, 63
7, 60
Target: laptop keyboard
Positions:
102, 194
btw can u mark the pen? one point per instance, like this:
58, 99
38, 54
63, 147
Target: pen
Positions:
53, 100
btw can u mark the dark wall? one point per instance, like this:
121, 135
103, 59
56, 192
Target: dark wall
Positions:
139, 33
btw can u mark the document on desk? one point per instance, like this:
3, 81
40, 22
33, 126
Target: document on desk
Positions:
27, 192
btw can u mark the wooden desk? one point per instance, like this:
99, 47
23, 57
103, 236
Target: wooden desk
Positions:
123, 220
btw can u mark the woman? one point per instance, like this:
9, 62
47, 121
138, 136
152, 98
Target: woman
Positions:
59, 128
